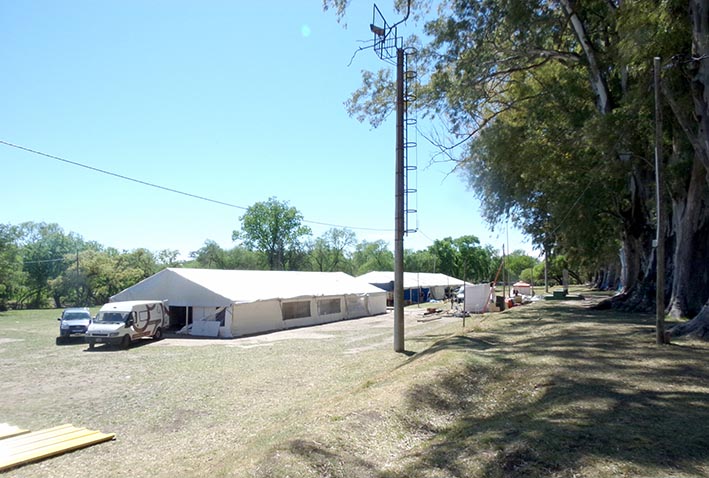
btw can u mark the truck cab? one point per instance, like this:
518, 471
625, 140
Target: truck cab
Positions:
122, 323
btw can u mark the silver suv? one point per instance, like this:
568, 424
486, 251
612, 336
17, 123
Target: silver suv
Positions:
74, 321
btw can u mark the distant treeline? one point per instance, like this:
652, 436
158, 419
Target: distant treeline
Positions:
42, 266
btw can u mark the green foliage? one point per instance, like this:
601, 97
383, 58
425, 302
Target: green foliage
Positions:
333, 251
419, 261
373, 102
372, 256
275, 229
11, 274
463, 258
212, 256
44, 247
517, 263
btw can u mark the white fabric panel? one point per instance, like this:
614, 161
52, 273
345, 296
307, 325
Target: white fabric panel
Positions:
255, 317
476, 297
438, 293
357, 306
205, 328
377, 304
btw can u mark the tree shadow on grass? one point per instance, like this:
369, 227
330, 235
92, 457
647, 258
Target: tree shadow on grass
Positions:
304, 457
611, 396
455, 342
561, 392
556, 434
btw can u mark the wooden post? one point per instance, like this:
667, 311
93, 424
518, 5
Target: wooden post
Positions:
660, 229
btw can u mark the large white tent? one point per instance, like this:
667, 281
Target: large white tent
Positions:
423, 285
233, 303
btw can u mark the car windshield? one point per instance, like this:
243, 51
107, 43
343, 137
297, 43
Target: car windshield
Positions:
77, 316
112, 317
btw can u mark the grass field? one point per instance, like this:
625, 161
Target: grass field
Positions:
551, 389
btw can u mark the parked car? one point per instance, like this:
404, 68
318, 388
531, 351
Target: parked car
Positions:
74, 321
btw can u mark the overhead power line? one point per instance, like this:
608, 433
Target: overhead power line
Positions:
43, 261
175, 191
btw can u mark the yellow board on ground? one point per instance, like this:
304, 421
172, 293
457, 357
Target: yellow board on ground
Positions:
7, 431
35, 446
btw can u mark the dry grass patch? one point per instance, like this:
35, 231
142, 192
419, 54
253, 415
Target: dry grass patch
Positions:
552, 389
549, 390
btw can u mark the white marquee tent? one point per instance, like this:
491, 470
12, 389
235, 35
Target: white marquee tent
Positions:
434, 283
234, 303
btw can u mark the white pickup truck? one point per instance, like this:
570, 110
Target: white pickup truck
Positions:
121, 323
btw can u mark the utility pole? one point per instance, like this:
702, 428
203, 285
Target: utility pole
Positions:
546, 271
399, 212
78, 292
389, 47
504, 280
660, 227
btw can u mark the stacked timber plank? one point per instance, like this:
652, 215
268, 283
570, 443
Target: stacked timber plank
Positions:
8, 431
22, 446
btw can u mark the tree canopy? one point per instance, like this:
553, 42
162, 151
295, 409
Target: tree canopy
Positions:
548, 113
275, 229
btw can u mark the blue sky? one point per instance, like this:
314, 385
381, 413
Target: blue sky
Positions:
235, 101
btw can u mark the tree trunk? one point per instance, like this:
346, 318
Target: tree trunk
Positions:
637, 233
698, 327
598, 80
699, 11
690, 216
612, 277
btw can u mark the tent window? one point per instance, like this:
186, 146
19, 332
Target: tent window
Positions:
329, 306
296, 310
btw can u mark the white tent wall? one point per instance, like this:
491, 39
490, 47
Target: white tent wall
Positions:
264, 316
317, 316
357, 305
255, 317
376, 304
476, 297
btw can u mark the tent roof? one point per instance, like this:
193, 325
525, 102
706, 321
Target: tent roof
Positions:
521, 284
413, 280
206, 287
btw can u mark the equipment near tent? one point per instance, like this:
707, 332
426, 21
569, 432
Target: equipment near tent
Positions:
238, 303
419, 287
523, 288
477, 297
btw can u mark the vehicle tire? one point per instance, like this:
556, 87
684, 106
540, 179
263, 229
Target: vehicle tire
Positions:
91, 345
158, 334
125, 342
60, 340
